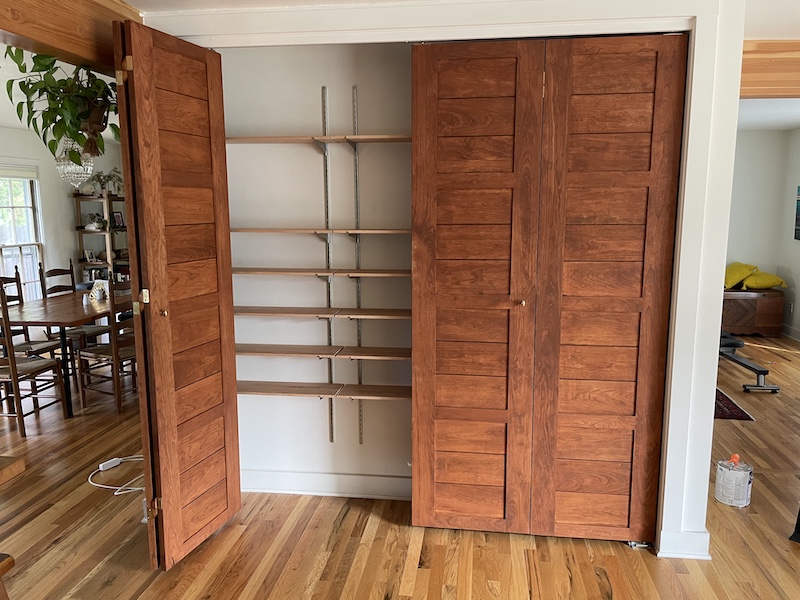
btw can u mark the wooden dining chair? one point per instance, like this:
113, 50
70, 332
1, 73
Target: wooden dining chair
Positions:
15, 295
79, 337
113, 361
42, 376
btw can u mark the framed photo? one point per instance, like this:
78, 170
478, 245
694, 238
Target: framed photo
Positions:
89, 254
119, 221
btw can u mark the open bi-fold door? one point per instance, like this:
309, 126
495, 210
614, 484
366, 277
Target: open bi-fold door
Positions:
173, 146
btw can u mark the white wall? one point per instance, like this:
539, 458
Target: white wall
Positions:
284, 442
757, 203
789, 256
57, 213
709, 140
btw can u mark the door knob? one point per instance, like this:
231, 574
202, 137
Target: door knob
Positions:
164, 313
522, 302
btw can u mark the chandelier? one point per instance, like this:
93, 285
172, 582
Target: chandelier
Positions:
69, 171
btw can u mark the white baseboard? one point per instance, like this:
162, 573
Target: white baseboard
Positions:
791, 332
684, 544
327, 484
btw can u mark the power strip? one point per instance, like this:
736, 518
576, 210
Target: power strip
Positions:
109, 464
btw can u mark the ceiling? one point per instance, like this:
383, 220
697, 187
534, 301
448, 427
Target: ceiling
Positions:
765, 19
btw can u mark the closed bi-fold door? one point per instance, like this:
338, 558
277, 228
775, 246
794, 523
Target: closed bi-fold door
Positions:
545, 190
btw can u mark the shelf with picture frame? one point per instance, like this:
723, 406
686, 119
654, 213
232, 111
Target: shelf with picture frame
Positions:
102, 235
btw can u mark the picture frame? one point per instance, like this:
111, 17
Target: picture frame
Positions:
118, 219
89, 254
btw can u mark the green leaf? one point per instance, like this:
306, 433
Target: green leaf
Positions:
114, 130
9, 88
53, 146
75, 157
59, 129
101, 143
19, 110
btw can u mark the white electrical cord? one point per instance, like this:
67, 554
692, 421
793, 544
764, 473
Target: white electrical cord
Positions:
125, 488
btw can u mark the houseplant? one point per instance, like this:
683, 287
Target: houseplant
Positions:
59, 104
110, 182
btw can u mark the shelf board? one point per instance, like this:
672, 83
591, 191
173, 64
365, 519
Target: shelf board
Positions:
322, 312
350, 352
287, 350
90, 231
374, 313
322, 139
282, 271
373, 353
320, 231
325, 390
375, 392
286, 388
322, 272
285, 311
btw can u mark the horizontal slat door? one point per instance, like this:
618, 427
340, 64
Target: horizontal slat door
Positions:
475, 152
613, 115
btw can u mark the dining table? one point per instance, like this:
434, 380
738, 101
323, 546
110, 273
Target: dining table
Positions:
72, 309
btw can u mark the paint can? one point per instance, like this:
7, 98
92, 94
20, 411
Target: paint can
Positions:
734, 482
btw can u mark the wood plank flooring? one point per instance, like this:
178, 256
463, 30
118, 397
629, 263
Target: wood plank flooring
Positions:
70, 540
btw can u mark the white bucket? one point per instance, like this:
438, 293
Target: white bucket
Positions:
734, 482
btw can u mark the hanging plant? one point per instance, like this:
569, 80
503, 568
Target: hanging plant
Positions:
59, 104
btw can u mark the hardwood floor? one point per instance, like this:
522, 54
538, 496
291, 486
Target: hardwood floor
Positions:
70, 540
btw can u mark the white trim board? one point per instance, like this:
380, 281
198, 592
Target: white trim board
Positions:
327, 484
716, 28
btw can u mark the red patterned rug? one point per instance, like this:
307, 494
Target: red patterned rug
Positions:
725, 408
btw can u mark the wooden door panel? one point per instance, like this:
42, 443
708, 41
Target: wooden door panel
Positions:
184, 152
604, 242
609, 152
606, 206
188, 206
467, 436
592, 509
472, 391
475, 151
181, 114
174, 150
473, 206
469, 325
612, 73
476, 116
480, 501
611, 113
196, 363
587, 396
477, 77
473, 276
584, 328
470, 468
471, 358
593, 477
613, 118
473, 242
480, 154
191, 279
618, 279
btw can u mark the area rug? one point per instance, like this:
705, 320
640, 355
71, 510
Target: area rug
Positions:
725, 408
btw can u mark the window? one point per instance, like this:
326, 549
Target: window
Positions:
19, 227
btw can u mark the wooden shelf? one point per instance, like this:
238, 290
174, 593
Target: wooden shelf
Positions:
286, 388
322, 312
320, 231
319, 139
322, 272
349, 352
94, 198
325, 390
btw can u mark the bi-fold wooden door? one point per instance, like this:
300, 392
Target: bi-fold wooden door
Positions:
590, 342
173, 146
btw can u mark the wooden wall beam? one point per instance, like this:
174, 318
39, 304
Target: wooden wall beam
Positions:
76, 31
771, 69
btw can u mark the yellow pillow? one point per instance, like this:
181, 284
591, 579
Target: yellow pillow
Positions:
762, 281
736, 272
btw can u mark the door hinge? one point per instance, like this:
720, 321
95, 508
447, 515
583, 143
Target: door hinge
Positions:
154, 508
144, 296
127, 67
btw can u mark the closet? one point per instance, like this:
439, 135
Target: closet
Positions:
545, 184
